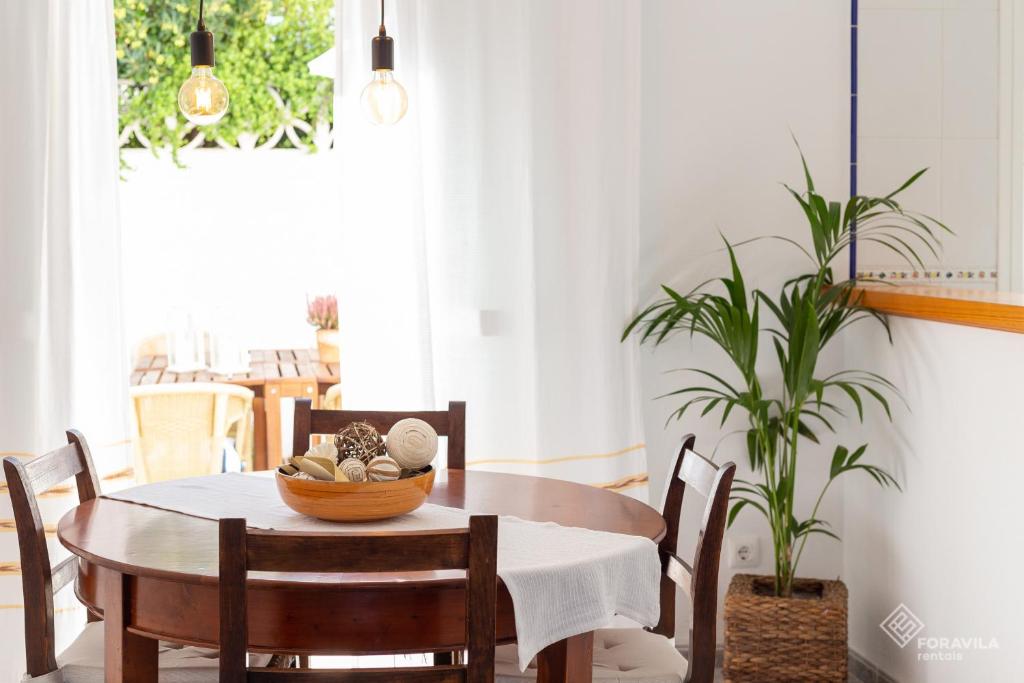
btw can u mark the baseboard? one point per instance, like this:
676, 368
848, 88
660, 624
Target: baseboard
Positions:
865, 670
684, 650
859, 666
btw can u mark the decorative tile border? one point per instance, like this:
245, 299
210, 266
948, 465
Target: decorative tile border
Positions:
948, 274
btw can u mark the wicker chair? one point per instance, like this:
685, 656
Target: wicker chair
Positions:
332, 399
178, 430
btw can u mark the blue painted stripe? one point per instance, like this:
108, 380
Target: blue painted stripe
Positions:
854, 20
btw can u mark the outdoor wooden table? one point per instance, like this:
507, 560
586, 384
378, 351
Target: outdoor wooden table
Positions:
153, 574
272, 375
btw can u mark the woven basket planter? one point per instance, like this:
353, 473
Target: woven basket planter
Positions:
785, 640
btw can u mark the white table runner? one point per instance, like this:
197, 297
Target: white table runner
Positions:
563, 580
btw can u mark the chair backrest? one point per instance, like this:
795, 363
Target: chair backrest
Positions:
40, 581
332, 398
699, 577
449, 423
178, 430
473, 549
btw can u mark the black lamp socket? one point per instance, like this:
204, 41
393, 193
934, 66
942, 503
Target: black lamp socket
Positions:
382, 49
202, 48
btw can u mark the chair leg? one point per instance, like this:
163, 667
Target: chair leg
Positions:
282, 662
449, 658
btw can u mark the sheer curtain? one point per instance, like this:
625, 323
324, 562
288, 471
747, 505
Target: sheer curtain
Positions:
61, 360
490, 238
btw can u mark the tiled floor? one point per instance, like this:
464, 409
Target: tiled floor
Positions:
719, 679
416, 660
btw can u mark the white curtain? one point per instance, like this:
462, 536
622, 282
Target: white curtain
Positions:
491, 236
61, 360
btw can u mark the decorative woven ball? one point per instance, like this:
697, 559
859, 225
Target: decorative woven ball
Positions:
353, 469
383, 468
359, 440
412, 443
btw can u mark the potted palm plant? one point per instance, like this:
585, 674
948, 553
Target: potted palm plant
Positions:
779, 627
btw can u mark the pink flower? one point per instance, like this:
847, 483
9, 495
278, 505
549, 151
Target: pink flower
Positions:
322, 312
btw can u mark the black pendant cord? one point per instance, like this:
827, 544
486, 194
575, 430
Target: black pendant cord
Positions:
201, 42
382, 47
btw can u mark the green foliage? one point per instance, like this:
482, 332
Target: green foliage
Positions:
809, 311
262, 46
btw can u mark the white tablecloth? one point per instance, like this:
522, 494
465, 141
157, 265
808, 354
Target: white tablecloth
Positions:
563, 580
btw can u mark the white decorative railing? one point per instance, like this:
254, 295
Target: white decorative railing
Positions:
302, 134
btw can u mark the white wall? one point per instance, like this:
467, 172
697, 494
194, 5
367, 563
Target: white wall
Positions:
948, 546
945, 547
929, 97
724, 85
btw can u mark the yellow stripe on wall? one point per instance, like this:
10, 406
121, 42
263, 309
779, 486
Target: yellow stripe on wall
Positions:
64, 489
10, 569
25, 455
553, 461
56, 610
629, 482
9, 525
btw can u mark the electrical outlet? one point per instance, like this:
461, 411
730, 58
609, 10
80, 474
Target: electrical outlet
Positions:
744, 551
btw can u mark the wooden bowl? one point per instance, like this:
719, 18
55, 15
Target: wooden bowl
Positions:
362, 501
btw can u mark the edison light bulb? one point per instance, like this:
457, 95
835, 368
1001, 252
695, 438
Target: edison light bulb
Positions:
203, 99
384, 99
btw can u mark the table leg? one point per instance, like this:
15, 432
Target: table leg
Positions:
272, 408
259, 434
449, 658
274, 391
128, 658
567, 661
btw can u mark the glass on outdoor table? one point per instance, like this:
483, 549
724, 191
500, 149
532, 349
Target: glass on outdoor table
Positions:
186, 345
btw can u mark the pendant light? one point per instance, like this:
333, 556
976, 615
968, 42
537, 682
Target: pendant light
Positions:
384, 99
203, 99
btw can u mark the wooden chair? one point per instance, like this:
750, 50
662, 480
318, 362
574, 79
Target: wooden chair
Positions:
640, 655
450, 423
474, 549
83, 659
178, 430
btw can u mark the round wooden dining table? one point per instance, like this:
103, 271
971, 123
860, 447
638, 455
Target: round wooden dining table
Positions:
151, 574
